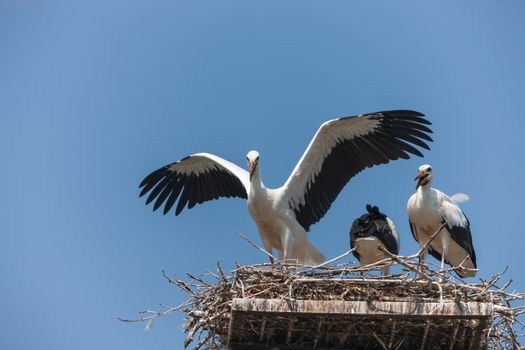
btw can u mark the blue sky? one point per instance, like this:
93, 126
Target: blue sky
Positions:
96, 94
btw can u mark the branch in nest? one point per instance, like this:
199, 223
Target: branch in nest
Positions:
256, 246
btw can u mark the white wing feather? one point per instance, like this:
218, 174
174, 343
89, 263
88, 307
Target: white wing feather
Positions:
459, 198
325, 139
204, 160
451, 212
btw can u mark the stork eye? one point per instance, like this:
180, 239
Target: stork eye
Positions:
429, 170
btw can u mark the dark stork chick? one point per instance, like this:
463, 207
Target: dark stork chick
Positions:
428, 209
371, 231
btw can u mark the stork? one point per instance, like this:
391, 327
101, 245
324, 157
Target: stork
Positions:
428, 210
370, 231
340, 149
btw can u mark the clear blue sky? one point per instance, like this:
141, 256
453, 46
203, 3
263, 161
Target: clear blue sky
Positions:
96, 94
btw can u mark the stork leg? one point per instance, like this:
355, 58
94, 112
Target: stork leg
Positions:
444, 242
286, 242
423, 253
443, 259
269, 249
281, 255
421, 260
386, 270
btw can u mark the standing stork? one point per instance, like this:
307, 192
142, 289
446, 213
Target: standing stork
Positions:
429, 209
340, 149
371, 231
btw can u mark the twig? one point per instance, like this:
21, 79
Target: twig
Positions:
256, 246
401, 262
348, 252
155, 314
427, 243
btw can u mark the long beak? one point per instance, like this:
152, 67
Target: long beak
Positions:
251, 166
421, 176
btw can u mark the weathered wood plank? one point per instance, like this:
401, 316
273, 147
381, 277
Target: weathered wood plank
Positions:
337, 308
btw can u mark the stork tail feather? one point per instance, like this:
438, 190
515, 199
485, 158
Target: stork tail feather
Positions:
306, 253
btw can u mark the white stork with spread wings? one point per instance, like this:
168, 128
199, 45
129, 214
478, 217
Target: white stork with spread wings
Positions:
340, 149
428, 209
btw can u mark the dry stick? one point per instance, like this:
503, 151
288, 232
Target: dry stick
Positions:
400, 343
461, 267
202, 342
219, 269
424, 275
256, 246
380, 341
181, 284
155, 314
348, 252
425, 246
401, 262
208, 272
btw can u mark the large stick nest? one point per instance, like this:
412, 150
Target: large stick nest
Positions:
209, 307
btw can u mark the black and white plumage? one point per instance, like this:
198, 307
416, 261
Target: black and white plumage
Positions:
340, 149
370, 231
428, 209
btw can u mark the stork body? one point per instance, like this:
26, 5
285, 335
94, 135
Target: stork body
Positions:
371, 231
428, 209
277, 226
340, 149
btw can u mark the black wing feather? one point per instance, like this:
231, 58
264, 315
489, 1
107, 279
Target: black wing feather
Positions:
183, 198
168, 186
175, 191
164, 193
374, 223
463, 237
411, 225
392, 139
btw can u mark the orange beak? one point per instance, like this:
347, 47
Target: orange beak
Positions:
251, 166
419, 175
422, 179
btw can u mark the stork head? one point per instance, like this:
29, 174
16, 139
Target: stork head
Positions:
253, 162
424, 176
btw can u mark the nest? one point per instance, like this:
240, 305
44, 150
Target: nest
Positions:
345, 306
210, 309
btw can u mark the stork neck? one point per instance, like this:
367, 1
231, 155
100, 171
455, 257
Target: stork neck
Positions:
424, 190
255, 182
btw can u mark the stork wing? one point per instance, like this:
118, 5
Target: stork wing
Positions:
391, 239
197, 178
413, 230
410, 206
458, 227
378, 225
343, 147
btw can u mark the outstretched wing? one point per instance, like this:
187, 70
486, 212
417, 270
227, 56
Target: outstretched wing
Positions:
193, 180
343, 147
